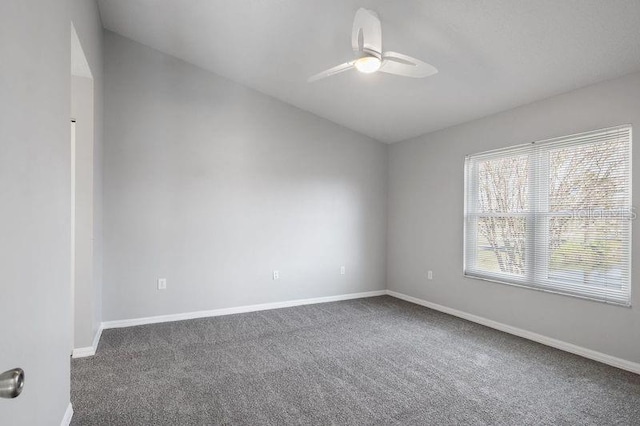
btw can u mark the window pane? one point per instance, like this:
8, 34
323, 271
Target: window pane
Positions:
589, 177
553, 215
503, 185
589, 251
501, 245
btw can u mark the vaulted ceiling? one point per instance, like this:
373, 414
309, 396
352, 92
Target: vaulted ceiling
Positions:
492, 55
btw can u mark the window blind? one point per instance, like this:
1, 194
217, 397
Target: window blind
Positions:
553, 215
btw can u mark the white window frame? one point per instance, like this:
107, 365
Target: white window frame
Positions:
537, 240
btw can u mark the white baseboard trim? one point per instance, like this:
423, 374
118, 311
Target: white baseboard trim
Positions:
83, 352
68, 414
631, 366
237, 310
89, 350
634, 367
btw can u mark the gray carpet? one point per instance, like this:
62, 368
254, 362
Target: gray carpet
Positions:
361, 362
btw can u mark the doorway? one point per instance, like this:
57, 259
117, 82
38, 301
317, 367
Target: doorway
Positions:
83, 290
73, 228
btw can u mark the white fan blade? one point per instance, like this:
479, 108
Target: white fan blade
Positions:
367, 32
332, 71
399, 64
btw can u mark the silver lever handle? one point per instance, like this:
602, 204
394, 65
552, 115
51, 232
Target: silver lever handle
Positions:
11, 383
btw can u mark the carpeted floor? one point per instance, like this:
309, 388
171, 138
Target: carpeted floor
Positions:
361, 362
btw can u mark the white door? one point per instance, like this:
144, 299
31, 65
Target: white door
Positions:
35, 311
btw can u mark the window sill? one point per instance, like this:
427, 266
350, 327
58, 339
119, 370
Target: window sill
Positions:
547, 290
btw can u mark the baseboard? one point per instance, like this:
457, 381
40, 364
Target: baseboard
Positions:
83, 352
68, 414
89, 350
631, 366
238, 310
624, 364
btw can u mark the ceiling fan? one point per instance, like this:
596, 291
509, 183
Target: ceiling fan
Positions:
366, 40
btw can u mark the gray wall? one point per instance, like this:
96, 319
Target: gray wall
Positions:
212, 186
426, 219
86, 20
35, 214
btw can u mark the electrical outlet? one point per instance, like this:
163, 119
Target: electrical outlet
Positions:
276, 275
162, 283
343, 270
430, 275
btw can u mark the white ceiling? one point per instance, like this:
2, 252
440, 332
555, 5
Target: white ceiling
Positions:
492, 54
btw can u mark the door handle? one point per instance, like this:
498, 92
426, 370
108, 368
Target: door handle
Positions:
11, 383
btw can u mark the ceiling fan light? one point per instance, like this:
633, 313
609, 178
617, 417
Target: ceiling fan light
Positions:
368, 64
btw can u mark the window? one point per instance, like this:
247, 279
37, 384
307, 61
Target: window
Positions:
553, 215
